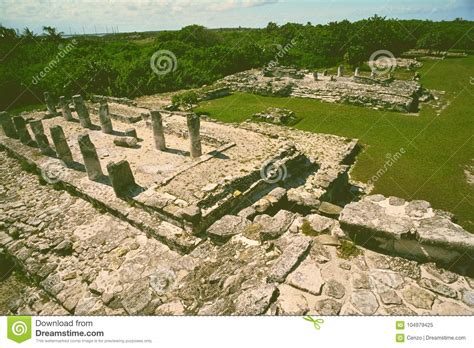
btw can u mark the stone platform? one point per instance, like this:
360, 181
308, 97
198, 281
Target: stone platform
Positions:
192, 193
373, 92
224, 219
85, 261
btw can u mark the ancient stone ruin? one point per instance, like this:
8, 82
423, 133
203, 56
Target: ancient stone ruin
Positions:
276, 115
185, 215
374, 92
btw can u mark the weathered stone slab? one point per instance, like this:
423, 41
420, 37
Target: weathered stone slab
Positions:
334, 289
327, 307
329, 209
390, 297
437, 287
364, 301
307, 277
255, 301
227, 227
126, 141
274, 227
418, 297
290, 258
410, 229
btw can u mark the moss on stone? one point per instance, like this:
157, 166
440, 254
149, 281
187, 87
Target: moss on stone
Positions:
348, 250
307, 230
252, 231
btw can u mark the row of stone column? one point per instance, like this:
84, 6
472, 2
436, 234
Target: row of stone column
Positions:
120, 173
340, 73
194, 124
82, 111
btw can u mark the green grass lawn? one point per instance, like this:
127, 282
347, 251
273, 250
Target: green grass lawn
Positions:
437, 147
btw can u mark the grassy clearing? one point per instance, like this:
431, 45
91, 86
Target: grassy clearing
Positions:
437, 147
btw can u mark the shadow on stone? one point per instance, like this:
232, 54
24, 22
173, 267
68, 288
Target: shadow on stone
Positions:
218, 154
177, 152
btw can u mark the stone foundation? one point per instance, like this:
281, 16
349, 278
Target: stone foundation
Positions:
388, 94
237, 230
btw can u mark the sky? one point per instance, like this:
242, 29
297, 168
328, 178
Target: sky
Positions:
88, 16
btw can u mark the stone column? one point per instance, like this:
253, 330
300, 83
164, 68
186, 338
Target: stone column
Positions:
194, 124
66, 112
158, 133
82, 111
91, 159
340, 71
62, 148
356, 72
315, 76
49, 103
22, 131
40, 137
7, 125
325, 72
104, 116
121, 177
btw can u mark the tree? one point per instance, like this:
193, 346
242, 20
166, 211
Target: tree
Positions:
28, 34
7, 34
355, 55
52, 33
271, 27
434, 41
